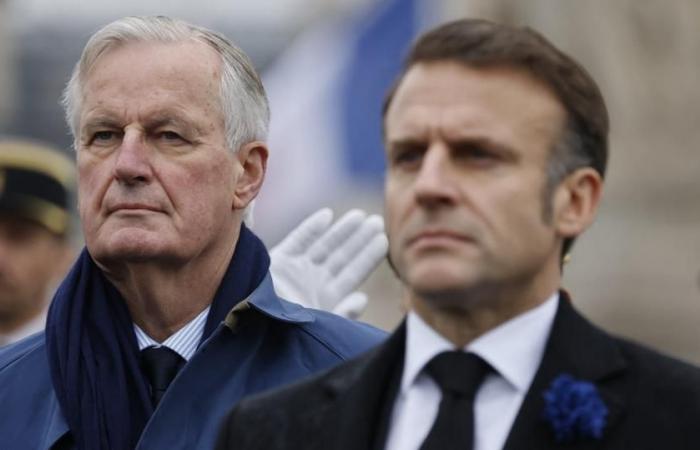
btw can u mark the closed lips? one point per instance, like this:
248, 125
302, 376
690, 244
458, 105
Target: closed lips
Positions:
132, 206
447, 234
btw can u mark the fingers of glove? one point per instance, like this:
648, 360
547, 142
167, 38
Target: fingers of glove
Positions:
352, 306
346, 253
350, 277
336, 235
285, 277
308, 232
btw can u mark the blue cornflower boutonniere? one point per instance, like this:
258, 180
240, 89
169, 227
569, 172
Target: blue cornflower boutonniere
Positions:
574, 409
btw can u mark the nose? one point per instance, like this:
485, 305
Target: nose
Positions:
435, 182
133, 165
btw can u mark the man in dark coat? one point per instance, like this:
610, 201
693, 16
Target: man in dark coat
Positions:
496, 146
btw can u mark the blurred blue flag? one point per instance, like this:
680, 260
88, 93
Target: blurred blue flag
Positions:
378, 45
326, 92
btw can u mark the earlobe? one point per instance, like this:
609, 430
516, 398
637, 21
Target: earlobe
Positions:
252, 158
576, 201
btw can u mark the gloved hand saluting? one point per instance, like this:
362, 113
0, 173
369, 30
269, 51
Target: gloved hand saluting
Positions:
320, 266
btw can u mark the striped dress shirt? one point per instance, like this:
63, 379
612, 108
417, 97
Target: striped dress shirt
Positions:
184, 342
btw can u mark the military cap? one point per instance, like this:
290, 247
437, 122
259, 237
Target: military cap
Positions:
35, 183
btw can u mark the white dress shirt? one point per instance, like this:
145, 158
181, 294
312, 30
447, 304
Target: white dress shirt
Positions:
514, 350
184, 342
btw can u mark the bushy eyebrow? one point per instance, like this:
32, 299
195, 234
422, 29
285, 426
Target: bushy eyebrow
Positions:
458, 142
162, 119
167, 119
502, 149
101, 121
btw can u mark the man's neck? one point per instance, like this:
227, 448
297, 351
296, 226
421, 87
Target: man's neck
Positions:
461, 322
162, 299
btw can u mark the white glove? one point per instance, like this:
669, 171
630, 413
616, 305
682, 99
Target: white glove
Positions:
319, 266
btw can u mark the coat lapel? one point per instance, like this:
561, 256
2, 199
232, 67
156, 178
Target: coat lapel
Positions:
578, 348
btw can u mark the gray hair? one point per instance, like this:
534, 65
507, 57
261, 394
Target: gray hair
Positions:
244, 104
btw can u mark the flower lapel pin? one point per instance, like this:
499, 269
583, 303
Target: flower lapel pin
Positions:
574, 410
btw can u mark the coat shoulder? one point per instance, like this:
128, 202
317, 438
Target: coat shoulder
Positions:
307, 391
283, 418
344, 337
26, 392
659, 372
20, 353
24, 372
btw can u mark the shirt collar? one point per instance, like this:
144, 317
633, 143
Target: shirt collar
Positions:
514, 349
184, 342
264, 299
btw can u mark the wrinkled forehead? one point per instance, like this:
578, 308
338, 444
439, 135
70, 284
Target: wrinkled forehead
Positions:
174, 60
154, 76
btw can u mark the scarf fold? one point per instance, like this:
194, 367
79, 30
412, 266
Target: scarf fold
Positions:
92, 350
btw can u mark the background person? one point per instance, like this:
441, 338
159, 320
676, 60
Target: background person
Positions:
35, 246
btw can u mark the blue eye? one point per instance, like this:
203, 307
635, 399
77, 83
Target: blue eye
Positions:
103, 135
170, 135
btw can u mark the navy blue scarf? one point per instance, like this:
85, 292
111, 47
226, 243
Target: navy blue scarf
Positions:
93, 354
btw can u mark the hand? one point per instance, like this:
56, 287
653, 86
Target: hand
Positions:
319, 266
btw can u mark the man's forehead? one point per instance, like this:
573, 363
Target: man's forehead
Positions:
168, 82
172, 64
200, 51
463, 99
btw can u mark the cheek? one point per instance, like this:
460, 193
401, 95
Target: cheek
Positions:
396, 208
204, 191
391, 207
36, 262
92, 180
523, 227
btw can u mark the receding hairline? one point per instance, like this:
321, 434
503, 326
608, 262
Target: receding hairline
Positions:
120, 45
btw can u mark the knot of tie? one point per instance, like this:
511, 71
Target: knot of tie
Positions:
457, 372
160, 365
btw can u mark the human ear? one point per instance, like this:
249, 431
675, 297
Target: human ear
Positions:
576, 201
252, 158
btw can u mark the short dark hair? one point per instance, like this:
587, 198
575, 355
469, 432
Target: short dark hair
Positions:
481, 43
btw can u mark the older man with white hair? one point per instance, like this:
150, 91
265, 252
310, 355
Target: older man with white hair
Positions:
169, 315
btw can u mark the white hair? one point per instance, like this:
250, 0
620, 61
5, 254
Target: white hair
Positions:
244, 105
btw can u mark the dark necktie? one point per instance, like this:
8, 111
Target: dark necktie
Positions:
459, 375
160, 364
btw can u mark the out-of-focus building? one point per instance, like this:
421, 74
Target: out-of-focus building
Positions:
7, 72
